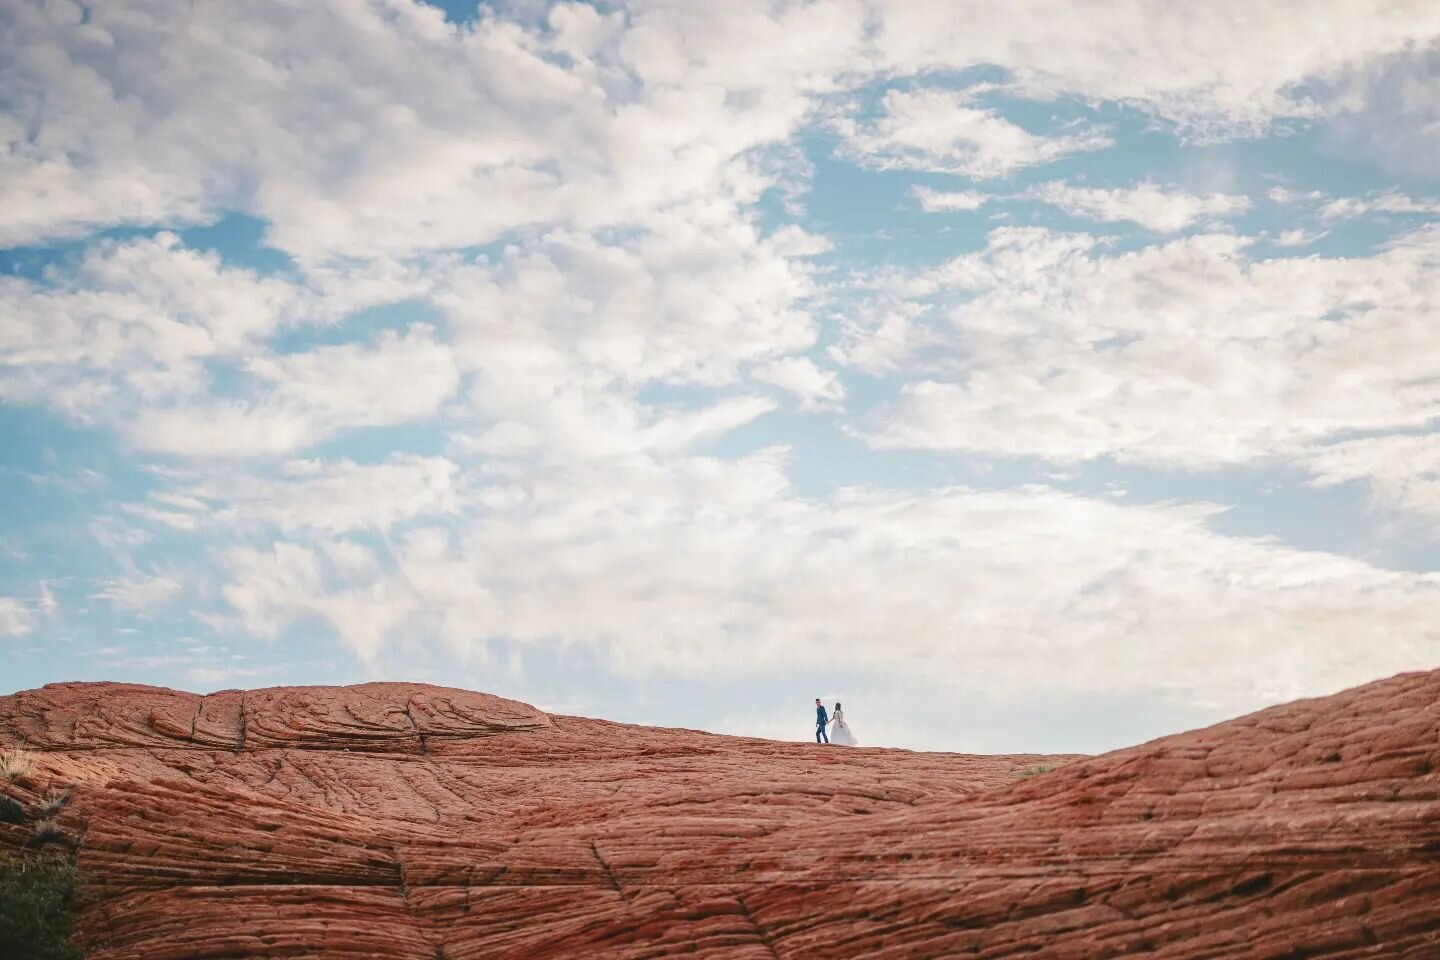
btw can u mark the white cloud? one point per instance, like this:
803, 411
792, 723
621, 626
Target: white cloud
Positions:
136, 333
371, 128
883, 336
1164, 211
399, 378
200, 80
222, 428
687, 300
1402, 470
559, 335
815, 388
272, 587
319, 496
1185, 354
948, 201
578, 426
140, 593
682, 429
1285, 195
1350, 208
705, 567
16, 617
1388, 109
134, 321
213, 678
939, 130
302, 398
1229, 68
1298, 238
563, 335
374, 128
1382, 205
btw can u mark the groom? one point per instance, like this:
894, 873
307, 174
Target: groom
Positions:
821, 719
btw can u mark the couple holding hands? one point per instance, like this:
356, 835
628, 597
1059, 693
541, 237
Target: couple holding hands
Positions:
839, 732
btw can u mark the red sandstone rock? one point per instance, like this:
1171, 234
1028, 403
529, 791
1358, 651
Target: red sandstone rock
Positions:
409, 821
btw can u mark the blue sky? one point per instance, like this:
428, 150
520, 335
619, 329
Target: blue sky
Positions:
1026, 382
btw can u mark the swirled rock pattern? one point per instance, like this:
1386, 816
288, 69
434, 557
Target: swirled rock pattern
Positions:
410, 821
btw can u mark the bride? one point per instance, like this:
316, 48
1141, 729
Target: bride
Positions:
840, 730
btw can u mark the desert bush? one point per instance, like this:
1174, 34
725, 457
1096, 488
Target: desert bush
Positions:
15, 764
10, 810
53, 802
36, 919
47, 830
1038, 769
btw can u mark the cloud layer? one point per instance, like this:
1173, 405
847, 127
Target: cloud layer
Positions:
1189, 353
727, 342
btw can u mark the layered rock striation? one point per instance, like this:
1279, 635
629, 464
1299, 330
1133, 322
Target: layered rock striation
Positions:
412, 821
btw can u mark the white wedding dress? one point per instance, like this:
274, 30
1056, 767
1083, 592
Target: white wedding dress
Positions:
840, 730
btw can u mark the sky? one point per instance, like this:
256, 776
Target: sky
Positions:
1028, 376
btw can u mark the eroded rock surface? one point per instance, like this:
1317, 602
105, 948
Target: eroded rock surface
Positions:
411, 821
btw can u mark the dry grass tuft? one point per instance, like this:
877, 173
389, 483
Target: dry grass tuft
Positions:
15, 764
47, 830
52, 803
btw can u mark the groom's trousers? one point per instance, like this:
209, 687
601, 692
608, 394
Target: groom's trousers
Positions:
820, 736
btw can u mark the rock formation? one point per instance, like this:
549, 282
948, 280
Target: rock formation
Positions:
411, 821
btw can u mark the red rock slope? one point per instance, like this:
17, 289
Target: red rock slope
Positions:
409, 821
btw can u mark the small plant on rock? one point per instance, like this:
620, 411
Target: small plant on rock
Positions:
15, 764
10, 810
1038, 769
47, 830
52, 803
36, 919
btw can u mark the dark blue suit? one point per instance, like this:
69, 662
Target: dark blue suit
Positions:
821, 719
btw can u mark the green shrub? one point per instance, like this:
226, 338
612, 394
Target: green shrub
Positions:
10, 810
35, 908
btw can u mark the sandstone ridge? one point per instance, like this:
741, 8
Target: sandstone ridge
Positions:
413, 821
